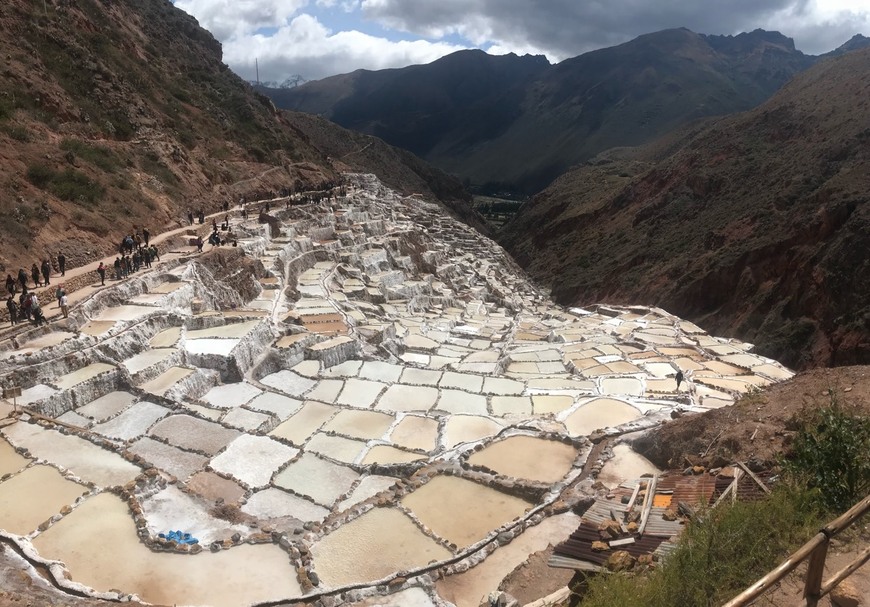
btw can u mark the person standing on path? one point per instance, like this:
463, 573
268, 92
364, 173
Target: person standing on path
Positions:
22, 278
61, 263
64, 305
10, 284
679, 377
199, 244
190, 217
58, 293
146, 236
34, 274
101, 270
13, 310
46, 271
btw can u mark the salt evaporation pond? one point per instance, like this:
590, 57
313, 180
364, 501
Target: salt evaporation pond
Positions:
390, 397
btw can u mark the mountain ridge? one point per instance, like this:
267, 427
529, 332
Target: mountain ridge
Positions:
754, 224
520, 131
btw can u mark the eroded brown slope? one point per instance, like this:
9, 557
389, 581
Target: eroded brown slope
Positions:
757, 226
121, 113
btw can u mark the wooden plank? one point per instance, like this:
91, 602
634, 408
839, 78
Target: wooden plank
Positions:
751, 474
845, 572
738, 474
634, 493
623, 542
648, 502
731, 487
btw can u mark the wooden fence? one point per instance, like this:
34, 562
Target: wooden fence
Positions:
816, 550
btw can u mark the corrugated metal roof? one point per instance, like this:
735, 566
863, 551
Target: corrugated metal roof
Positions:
659, 535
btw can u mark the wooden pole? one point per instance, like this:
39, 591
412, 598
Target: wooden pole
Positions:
815, 572
751, 474
848, 570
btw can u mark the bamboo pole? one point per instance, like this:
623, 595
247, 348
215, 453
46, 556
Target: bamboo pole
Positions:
850, 516
648, 500
845, 572
764, 584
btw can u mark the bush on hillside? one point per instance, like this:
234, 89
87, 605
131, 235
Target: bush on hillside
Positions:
717, 556
831, 455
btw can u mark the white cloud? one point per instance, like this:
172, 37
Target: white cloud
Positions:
556, 28
304, 46
228, 18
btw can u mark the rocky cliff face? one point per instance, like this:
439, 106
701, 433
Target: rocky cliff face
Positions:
115, 114
755, 225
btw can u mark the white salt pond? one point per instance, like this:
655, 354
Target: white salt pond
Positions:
527, 457
625, 464
242, 576
444, 505
345, 555
598, 414
33, 496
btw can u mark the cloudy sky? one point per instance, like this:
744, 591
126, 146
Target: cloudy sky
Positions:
318, 38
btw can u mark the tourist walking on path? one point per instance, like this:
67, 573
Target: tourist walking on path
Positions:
64, 305
190, 217
34, 274
101, 270
199, 244
10, 284
36, 310
13, 310
680, 377
61, 263
58, 293
146, 236
22, 278
46, 271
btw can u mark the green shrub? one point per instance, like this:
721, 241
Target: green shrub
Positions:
68, 184
831, 455
717, 556
95, 154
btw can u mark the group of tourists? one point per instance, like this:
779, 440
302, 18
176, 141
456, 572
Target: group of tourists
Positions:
26, 308
128, 264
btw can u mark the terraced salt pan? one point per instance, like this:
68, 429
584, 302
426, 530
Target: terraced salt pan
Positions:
245, 575
106, 406
326, 390
551, 403
625, 463
84, 459
468, 429
385, 454
336, 447
213, 487
227, 396
276, 503
216, 346
180, 464
298, 428
630, 386
511, 405
289, 382
10, 460
400, 397
232, 331
344, 556
276, 404
133, 422
360, 393
380, 371
368, 487
415, 432
64, 382
322, 481
163, 382
33, 496
123, 313
442, 505
38, 343
360, 424
171, 508
96, 328
527, 457
195, 434
466, 589
410, 597
250, 421
35, 393
253, 459
502, 386
598, 414
457, 401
